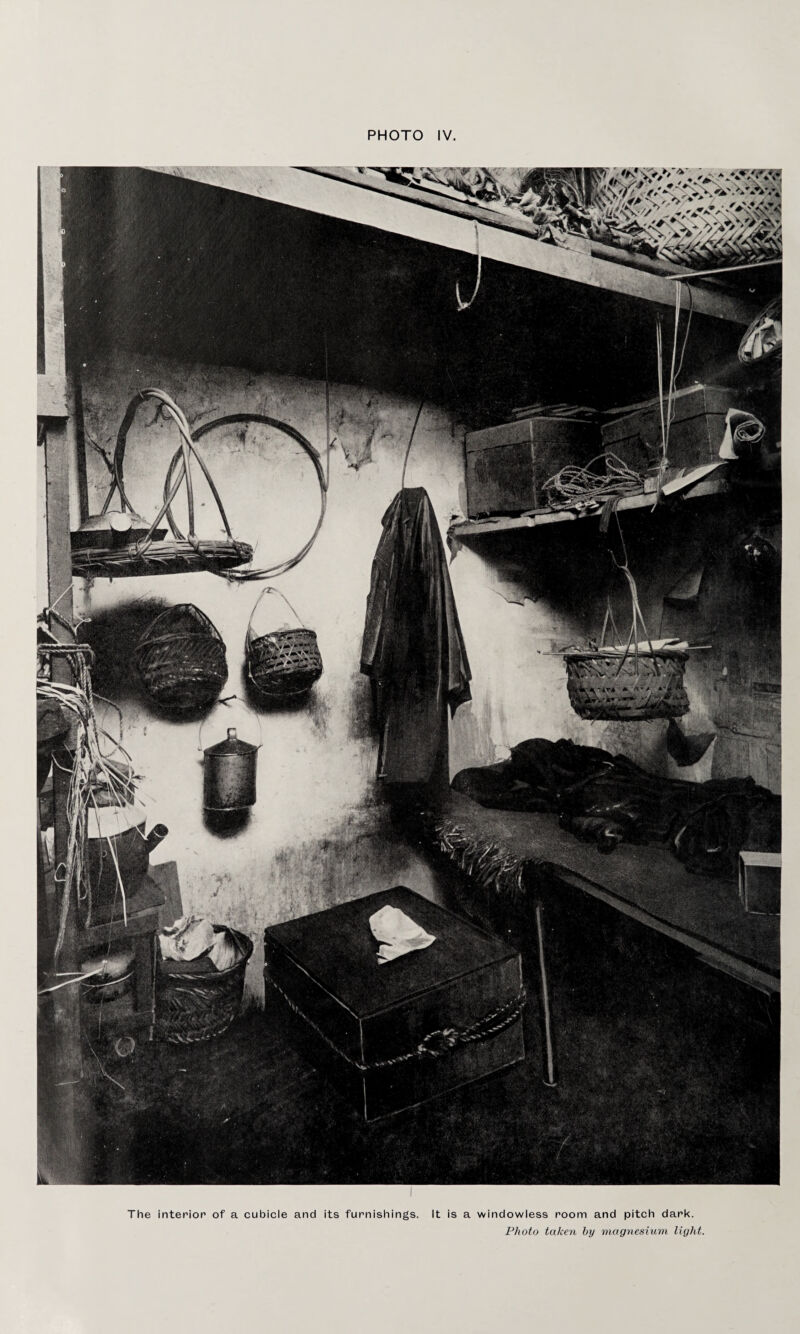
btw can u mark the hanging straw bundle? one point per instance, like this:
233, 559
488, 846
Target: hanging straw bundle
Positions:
95, 778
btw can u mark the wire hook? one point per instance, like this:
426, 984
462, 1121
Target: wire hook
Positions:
460, 303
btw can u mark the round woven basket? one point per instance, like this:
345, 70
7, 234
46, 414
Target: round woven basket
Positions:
195, 1008
285, 663
630, 683
181, 660
627, 686
695, 215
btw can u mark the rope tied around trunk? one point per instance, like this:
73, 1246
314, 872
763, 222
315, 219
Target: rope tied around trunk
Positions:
434, 1044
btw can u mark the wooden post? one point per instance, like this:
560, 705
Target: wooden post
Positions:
58, 1083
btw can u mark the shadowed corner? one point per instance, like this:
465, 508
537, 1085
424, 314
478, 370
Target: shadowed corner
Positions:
113, 635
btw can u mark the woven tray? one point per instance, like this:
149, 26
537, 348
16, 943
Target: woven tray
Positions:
149, 555
695, 215
160, 558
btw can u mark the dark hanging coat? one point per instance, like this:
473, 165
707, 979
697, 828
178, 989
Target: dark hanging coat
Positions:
413, 649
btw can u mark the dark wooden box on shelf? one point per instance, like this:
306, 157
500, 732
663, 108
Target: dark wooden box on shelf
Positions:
508, 465
352, 1017
695, 434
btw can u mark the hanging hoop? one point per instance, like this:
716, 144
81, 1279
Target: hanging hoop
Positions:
460, 303
234, 418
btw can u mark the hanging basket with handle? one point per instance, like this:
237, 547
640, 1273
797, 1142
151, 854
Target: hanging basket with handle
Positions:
112, 543
628, 683
181, 659
285, 663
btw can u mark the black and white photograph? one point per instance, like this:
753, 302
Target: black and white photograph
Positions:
408, 675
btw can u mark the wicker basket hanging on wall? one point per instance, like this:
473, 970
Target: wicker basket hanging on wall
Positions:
181, 660
695, 216
627, 683
285, 663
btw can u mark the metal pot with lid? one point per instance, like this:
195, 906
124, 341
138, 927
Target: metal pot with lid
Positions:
229, 774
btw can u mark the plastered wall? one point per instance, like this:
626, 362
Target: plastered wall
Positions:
320, 832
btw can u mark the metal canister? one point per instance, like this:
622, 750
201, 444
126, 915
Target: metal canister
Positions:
229, 774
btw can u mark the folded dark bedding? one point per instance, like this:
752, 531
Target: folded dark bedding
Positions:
608, 799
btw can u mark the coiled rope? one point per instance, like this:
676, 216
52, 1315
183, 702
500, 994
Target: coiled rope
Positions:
574, 486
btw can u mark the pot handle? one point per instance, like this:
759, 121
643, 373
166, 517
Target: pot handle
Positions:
226, 701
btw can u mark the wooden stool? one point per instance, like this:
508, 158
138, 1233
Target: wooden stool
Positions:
122, 1018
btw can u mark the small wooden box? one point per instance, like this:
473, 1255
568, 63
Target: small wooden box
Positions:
385, 1032
760, 882
695, 435
508, 466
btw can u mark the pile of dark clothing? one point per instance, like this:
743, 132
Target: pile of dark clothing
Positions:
607, 799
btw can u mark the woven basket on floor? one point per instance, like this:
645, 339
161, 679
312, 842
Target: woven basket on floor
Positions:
285, 663
181, 659
197, 1007
695, 215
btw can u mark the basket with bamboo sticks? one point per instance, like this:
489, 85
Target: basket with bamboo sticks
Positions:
123, 554
629, 682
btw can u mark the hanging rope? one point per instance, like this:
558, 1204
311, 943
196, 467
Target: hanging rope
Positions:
410, 443
667, 410
638, 628
460, 303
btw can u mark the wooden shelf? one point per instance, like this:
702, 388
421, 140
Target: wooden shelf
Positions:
426, 216
714, 485
251, 266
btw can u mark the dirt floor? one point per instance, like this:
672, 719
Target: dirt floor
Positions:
667, 1073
